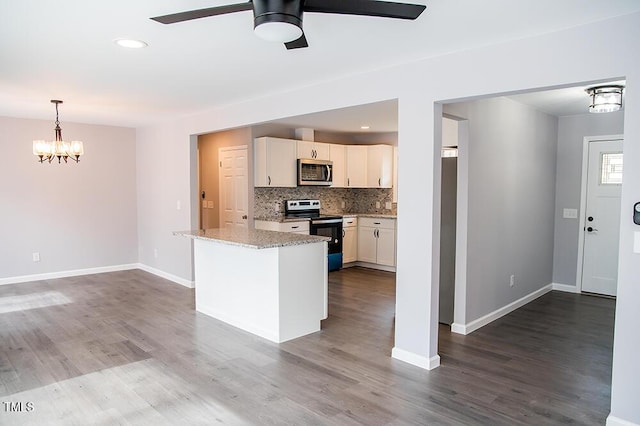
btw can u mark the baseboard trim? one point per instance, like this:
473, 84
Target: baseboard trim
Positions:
374, 266
616, 421
458, 328
66, 274
166, 275
498, 313
415, 359
99, 270
565, 287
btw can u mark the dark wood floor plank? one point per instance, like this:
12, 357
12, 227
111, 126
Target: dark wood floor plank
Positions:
127, 347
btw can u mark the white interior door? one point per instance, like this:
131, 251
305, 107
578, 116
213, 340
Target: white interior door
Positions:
233, 187
602, 217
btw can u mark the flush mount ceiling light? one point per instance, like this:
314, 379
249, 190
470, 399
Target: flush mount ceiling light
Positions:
365, 127
130, 43
48, 150
605, 98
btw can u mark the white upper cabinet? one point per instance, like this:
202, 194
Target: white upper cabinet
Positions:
274, 162
380, 166
356, 166
314, 150
337, 154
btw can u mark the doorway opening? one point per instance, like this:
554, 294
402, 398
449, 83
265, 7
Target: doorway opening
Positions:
225, 182
518, 173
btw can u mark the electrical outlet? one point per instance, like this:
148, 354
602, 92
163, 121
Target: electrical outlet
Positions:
36, 257
344, 204
155, 253
387, 205
377, 204
512, 280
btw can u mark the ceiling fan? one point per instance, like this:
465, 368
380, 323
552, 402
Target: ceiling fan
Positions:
281, 20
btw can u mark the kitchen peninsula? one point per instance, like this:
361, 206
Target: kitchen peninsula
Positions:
272, 284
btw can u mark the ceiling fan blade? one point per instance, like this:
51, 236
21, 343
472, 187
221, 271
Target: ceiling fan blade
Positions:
203, 13
297, 44
384, 9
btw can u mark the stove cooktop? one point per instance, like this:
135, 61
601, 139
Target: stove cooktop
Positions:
309, 209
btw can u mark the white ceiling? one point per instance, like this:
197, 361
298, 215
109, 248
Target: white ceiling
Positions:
64, 50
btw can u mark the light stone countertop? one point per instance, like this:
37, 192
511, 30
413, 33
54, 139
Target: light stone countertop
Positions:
374, 215
252, 238
282, 219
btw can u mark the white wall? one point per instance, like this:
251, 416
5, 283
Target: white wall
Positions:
511, 200
77, 216
559, 59
571, 133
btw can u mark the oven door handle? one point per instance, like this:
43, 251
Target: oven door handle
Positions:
325, 221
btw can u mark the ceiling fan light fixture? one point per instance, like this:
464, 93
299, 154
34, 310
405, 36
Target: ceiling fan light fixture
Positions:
282, 32
605, 98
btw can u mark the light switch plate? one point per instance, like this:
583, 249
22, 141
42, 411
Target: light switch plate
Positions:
210, 204
570, 213
377, 204
387, 205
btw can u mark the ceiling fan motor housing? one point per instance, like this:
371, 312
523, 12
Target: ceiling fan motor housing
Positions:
289, 11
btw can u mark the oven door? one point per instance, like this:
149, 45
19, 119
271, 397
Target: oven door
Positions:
331, 228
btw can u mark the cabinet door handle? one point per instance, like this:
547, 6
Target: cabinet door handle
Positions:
269, 179
295, 227
379, 184
244, 216
343, 234
348, 182
376, 223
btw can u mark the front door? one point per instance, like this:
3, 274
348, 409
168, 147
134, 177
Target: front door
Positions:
233, 187
602, 217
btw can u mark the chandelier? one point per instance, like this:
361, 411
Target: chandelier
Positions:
48, 150
605, 98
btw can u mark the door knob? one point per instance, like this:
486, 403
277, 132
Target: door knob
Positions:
590, 229
590, 218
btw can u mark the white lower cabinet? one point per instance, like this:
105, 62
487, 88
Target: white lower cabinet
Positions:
349, 239
377, 241
298, 227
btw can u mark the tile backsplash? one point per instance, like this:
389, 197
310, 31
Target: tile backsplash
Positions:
269, 202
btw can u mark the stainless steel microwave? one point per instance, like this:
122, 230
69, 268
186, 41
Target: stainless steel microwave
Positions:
314, 172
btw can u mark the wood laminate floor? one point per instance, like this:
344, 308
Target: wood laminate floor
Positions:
128, 348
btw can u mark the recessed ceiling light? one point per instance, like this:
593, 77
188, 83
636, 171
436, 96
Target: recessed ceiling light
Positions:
130, 43
365, 127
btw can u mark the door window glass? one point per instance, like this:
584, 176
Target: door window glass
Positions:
611, 168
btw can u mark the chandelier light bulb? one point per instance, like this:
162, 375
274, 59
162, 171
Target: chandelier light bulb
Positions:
58, 148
